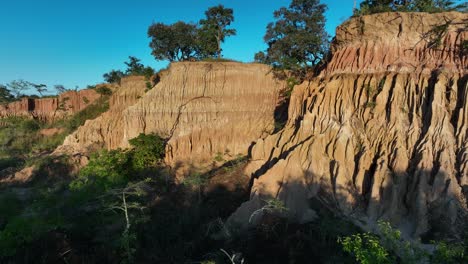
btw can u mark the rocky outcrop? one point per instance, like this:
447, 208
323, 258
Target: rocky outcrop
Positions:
204, 110
381, 133
50, 109
106, 131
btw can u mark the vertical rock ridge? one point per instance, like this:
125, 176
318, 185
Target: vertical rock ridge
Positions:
383, 132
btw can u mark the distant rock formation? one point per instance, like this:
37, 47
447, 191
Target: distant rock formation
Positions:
205, 110
50, 109
381, 133
106, 131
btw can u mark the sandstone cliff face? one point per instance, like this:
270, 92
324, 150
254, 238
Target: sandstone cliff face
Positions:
107, 130
381, 133
50, 109
202, 108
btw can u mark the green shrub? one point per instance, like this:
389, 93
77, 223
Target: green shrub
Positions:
148, 150
10, 162
366, 248
18, 136
106, 169
450, 253
18, 232
103, 90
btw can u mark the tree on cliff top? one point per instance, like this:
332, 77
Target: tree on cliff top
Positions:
213, 30
174, 42
113, 76
297, 40
379, 6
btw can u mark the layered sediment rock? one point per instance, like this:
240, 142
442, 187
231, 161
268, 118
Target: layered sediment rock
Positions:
50, 109
204, 109
106, 131
381, 133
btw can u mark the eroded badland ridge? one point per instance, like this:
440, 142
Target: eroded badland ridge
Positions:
202, 108
379, 134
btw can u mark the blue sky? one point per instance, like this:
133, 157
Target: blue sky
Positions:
73, 42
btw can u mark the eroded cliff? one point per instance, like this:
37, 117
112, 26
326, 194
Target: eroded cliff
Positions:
204, 109
50, 109
381, 133
107, 130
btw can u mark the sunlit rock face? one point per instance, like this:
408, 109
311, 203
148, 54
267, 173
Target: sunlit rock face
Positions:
381, 133
205, 110
50, 109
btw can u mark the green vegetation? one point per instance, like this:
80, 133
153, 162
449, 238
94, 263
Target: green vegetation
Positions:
176, 42
390, 247
378, 6
187, 41
16, 89
297, 40
104, 90
114, 76
213, 30
21, 138
134, 67
148, 151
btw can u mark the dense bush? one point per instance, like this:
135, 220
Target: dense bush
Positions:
104, 90
134, 67
114, 76
115, 168
379, 6
148, 151
105, 170
389, 247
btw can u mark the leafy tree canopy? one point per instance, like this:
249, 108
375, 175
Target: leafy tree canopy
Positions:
148, 150
113, 76
185, 41
134, 67
297, 40
18, 87
213, 29
174, 42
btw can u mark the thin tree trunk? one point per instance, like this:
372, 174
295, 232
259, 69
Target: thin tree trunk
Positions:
126, 211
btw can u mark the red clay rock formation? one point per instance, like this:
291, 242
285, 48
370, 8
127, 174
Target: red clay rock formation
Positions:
50, 109
381, 133
203, 108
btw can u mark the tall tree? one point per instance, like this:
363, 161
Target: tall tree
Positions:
113, 76
213, 29
18, 87
60, 88
174, 42
297, 40
134, 67
40, 88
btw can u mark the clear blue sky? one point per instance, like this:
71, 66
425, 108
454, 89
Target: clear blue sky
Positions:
73, 42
